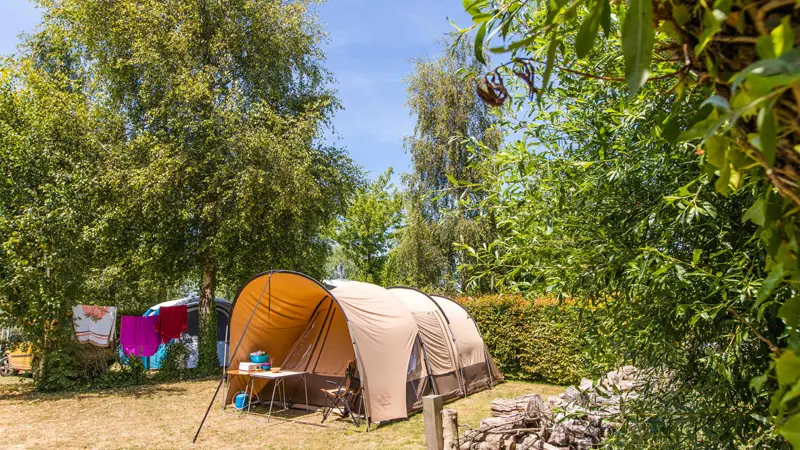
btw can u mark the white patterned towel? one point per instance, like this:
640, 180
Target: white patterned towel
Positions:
95, 325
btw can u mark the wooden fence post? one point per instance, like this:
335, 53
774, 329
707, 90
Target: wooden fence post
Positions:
432, 413
450, 429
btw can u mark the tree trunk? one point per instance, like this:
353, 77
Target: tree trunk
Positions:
207, 347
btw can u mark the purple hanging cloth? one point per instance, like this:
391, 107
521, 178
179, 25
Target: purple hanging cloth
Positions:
138, 335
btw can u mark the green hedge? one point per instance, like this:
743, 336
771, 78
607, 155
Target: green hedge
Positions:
534, 340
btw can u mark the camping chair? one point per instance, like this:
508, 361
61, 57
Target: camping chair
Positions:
345, 393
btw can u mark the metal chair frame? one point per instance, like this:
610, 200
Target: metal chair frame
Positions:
344, 393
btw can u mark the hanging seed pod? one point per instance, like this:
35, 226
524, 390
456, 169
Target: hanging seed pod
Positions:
491, 90
524, 71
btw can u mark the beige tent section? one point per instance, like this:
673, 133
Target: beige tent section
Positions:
478, 369
400, 339
439, 347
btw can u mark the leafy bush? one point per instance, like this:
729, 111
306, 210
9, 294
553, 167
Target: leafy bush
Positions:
120, 375
76, 367
534, 340
57, 369
605, 209
173, 366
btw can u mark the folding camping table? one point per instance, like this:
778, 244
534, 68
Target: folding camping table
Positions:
278, 387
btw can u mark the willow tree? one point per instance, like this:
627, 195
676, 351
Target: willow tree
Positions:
221, 166
450, 121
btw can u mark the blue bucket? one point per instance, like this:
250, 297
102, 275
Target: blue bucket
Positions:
240, 400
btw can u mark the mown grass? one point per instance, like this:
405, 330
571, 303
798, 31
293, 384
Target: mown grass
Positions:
167, 415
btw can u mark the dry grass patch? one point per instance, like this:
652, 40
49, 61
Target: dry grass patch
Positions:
167, 415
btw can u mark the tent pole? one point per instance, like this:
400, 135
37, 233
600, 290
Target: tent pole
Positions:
326, 322
485, 347
234, 352
364, 404
358, 364
488, 367
427, 365
462, 383
316, 341
225, 359
463, 376
457, 360
222, 380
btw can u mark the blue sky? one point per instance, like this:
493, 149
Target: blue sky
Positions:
370, 47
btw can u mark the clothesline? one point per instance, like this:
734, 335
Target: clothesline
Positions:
138, 335
142, 335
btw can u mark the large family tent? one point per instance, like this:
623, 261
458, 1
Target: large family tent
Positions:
399, 338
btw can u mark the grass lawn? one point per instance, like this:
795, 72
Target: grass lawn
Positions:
167, 415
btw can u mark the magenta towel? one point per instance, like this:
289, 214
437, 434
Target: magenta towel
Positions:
138, 335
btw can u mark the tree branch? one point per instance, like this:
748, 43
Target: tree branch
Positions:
775, 349
771, 174
590, 75
733, 39
762, 13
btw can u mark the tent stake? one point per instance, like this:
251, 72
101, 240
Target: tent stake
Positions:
456, 358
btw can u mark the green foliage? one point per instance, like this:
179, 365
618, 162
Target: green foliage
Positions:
666, 247
173, 365
50, 161
608, 211
153, 145
57, 369
367, 231
534, 341
665, 264
134, 373
340, 266
217, 165
115, 376
420, 257
76, 367
450, 122
208, 361
637, 43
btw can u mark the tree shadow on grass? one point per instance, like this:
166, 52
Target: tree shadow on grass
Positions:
298, 415
25, 392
